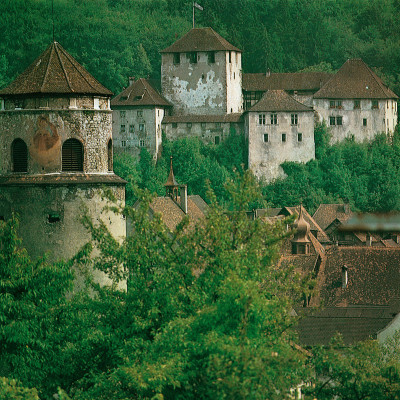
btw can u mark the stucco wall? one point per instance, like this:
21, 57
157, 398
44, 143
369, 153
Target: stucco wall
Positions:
44, 132
265, 157
378, 120
234, 82
133, 139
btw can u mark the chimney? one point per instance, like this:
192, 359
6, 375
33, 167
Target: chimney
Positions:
368, 240
131, 80
345, 278
183, 196
268, 73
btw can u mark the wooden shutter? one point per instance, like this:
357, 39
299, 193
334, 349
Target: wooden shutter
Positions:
72, 156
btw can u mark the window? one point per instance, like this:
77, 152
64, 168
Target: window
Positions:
177, 58
294, 118
43, 103
218, 124
2, 106
261, 119
18, 104
336, 120
335, 104
53, 218
230, 57
174, 125
357, 104
123, 143
122, 114
96, 103
274, 119
131, 128
140, 113
375, 104
122, 130
72, 156
339, 120
192, 57
332, 104
110, 155
142, 143
189, 124
332, 121
216, 140
203, 124
364, 121
283, 137
299, 137
19, 155
211, 57
266, 138
141, 127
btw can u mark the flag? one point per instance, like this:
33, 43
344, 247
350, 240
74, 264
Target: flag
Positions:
198, 6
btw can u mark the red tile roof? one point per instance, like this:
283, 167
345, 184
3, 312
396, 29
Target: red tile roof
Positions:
355, 80
278, 100
140, 93
200, 39
55, 72
296, 81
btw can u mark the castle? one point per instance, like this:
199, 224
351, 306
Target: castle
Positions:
203, 93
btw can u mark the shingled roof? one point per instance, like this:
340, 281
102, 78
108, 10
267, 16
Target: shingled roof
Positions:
200, 39
278, 100
355, 80
296, 81
140, 93
327, 213
55, 72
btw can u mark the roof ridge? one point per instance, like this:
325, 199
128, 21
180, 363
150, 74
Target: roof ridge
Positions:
149, 92
377, 79
62, 66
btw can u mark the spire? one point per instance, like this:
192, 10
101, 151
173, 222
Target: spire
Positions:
300, 242
171, 185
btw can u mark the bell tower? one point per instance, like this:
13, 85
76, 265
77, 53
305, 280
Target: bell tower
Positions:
56, 154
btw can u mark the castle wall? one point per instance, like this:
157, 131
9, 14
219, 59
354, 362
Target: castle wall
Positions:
363, 121
44, 132
195, 88
267, 149
234, 94
134, 128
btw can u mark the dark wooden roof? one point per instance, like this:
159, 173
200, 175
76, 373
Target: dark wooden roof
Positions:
296, 81
234, 117
355, 80
55, 72
327, 213
140, 93
200, 39
278, 100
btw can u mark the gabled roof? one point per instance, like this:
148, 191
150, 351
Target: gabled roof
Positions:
200, 39
355, 80
140, 93
278, 100
55, 72
327, 213
296, 81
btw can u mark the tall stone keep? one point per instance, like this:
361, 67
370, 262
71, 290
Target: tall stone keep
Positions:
201, 74
56, 155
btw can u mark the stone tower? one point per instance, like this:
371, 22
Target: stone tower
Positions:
56, 154
201, 74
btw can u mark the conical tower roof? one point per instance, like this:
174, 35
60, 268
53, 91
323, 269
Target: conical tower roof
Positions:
55, 72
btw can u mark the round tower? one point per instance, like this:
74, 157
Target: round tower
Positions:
56, 154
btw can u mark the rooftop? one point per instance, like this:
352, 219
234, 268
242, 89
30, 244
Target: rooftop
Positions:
200, 39
55, 72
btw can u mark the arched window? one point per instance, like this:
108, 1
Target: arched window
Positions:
19, 153
72, 156
110, 155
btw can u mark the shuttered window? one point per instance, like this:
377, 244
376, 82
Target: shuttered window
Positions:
19, 156
72, 155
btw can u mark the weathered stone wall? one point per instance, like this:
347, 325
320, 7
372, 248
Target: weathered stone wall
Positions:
50, 215
44, 132
234, 93
267, 153
195, 88
208, 132
128, 136
364, 123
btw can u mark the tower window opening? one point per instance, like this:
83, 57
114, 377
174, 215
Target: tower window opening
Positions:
53, 218
72, 156
19, 152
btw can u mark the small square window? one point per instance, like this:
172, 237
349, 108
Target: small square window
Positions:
122, 130
174, 125
364, 121
123, 143
299, 137
283, 137
218, 124
141, 127
53, 218
274, 119
192, 57
332, 121
142, 143
19, 104
216, 140
261, 119
332, 104
189, 124
294, 118
131, 128
339, 121
140, 113
357, 104
211, 57
122, 114
177, 58
203, 124
375, 104
266, 138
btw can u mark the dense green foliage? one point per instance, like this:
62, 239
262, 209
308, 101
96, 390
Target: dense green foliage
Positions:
120, 38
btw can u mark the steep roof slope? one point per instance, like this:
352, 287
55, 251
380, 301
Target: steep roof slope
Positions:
278, 100
200, 39
355, 80
301, 81
140, 93
55, 72
327, 213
